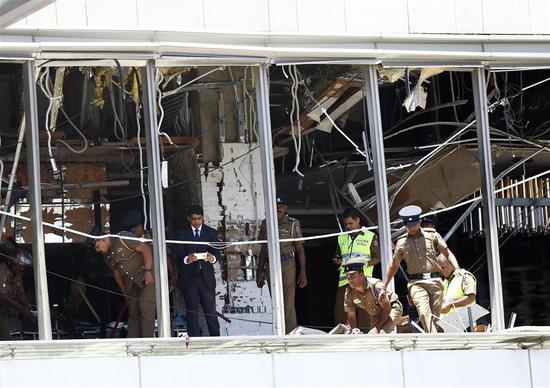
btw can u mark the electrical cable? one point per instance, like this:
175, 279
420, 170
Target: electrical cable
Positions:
46, 72
116, 120
160, 77
253, 123
45, 85
122, 106
295, 107
362, 153
174, 91
141, 168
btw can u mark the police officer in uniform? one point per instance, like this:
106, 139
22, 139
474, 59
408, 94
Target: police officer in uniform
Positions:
288, 228
369, 294
133, 222
13, 300
362, 244
420, 248
429, 221
132, 264
459, 286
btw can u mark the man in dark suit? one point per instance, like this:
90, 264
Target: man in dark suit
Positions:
196, 271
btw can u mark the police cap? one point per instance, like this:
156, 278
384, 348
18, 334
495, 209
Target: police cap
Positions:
354, 264
90, 242
282, 199
131, 219
430, 219
410, 215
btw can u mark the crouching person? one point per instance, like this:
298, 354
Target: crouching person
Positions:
369, 294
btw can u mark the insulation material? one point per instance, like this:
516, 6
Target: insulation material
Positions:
418, 95
391, 74
102, 79
446, 181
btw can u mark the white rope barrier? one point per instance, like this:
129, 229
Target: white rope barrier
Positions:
227, 244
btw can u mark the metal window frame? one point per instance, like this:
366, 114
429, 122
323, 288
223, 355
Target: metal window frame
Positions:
262, 95
268, 181
488, 197
156, 206
372, 102
35, 201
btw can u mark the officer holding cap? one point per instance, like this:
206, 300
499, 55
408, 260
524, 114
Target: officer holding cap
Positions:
132, 222
369, 294
132, 264
288, 228
420, 248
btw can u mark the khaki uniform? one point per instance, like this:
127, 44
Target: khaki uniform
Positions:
368, 301
10, 285
420, 253
124, 258
363, 320
288, 228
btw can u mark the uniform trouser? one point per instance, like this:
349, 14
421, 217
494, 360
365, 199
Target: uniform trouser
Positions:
340, 316
427, 296
395, 313
141, 311
288, 269
4, 326
9, 321
198, 292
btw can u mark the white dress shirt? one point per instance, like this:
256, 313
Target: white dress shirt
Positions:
185, 261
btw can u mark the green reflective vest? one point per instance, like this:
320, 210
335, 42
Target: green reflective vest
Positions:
453, 290
352, 247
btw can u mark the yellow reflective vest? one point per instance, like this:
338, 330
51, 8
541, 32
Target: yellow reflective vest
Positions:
453, 290
352, 247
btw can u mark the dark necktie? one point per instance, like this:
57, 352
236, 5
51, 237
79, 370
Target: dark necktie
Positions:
196, 238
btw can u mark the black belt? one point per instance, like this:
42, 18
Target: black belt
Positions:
426, 276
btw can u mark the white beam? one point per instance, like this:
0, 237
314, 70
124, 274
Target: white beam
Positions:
11, 11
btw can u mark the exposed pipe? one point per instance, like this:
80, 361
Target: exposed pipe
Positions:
453, 104
464, 215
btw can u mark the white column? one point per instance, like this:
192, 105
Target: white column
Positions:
488, 198
155, 199
35, 202
268, 175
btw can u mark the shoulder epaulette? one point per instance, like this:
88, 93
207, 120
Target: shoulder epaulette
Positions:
404, 235
431, 230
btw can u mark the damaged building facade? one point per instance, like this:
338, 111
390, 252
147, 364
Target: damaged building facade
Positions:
335, 104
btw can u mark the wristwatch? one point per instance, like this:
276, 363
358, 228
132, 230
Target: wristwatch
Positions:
146, 269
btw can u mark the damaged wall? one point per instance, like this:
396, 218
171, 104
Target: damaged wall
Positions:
233, 197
